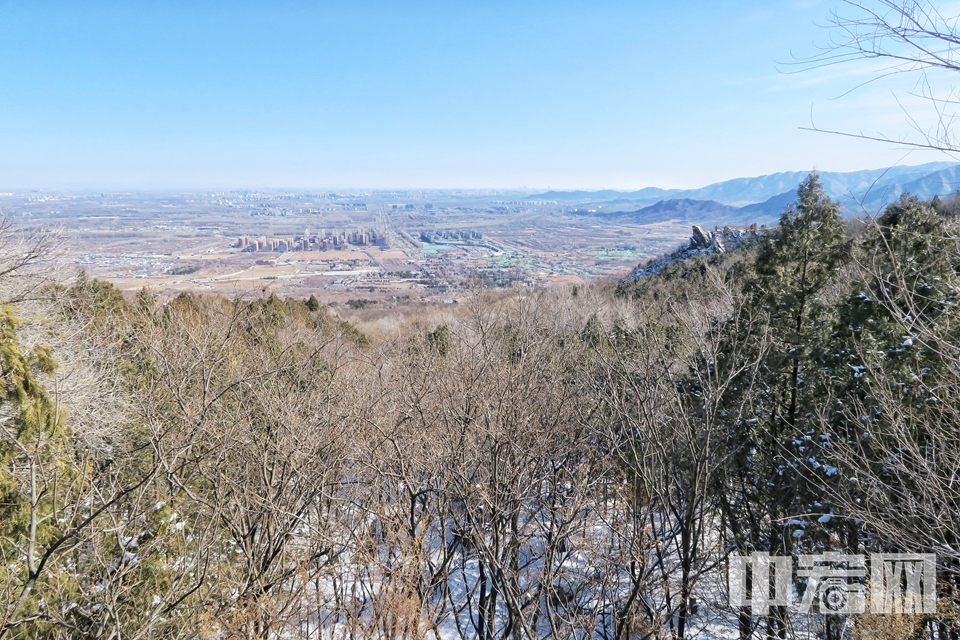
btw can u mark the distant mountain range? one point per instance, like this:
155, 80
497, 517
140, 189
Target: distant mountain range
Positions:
762, 199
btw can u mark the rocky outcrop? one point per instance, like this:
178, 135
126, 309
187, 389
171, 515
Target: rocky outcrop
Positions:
700, 240
701, 243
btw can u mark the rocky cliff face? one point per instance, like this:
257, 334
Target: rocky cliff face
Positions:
701, 243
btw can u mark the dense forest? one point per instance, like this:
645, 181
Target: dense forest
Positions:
573, 463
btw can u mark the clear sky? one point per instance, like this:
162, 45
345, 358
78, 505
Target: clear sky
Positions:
359, 93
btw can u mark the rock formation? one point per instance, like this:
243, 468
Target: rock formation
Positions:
701, 243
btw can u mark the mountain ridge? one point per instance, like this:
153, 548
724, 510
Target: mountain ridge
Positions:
871, 188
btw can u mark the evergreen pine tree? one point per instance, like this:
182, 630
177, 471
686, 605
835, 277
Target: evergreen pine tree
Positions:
762, 489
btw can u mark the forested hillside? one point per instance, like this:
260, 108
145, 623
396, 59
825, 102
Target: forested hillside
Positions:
573, 463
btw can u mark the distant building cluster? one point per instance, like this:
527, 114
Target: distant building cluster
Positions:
457, 234
322, 241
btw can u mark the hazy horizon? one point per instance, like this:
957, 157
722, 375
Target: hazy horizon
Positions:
119, 188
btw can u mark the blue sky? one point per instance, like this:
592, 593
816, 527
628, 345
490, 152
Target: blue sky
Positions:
424, 94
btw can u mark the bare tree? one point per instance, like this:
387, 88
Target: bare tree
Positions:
900, 37
245, 400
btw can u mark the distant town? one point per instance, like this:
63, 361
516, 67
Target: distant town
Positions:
425, 246
386, 248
